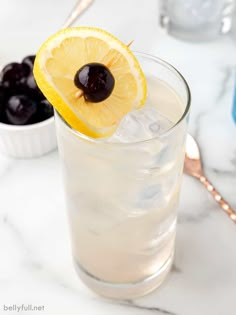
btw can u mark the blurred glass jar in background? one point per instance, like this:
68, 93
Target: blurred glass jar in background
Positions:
196, 20
233, 30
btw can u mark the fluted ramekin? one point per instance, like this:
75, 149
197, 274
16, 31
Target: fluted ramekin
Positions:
28, 141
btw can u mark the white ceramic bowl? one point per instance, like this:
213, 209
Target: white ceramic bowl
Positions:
19, 39
28, 141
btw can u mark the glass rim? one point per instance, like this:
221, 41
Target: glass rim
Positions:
164, 134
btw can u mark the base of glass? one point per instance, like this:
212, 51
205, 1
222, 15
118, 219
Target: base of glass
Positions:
125, 291
211, 32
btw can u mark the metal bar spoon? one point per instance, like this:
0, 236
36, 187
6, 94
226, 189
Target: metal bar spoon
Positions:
193, 167
78, 9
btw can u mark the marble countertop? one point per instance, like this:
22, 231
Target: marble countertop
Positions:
35, 265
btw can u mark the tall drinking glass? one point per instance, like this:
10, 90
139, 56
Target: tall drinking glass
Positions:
122, 192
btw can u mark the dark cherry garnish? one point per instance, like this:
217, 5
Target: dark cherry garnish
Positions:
2, 101
21, 101
2, 94
45, 110
20, 110
96, 81
29, 61
14, 74
33, 89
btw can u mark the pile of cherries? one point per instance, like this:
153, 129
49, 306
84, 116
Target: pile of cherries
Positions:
21, 101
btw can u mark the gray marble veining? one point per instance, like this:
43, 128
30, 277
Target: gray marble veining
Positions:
36, 265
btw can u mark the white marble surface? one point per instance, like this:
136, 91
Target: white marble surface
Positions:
35, 264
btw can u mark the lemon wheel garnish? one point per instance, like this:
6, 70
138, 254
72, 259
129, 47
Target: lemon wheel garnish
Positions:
64, 53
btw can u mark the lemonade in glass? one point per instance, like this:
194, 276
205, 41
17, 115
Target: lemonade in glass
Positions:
122, 187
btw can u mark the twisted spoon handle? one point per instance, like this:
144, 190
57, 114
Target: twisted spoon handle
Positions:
218, 198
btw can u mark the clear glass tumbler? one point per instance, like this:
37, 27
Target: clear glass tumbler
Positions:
196, 20
122, 197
